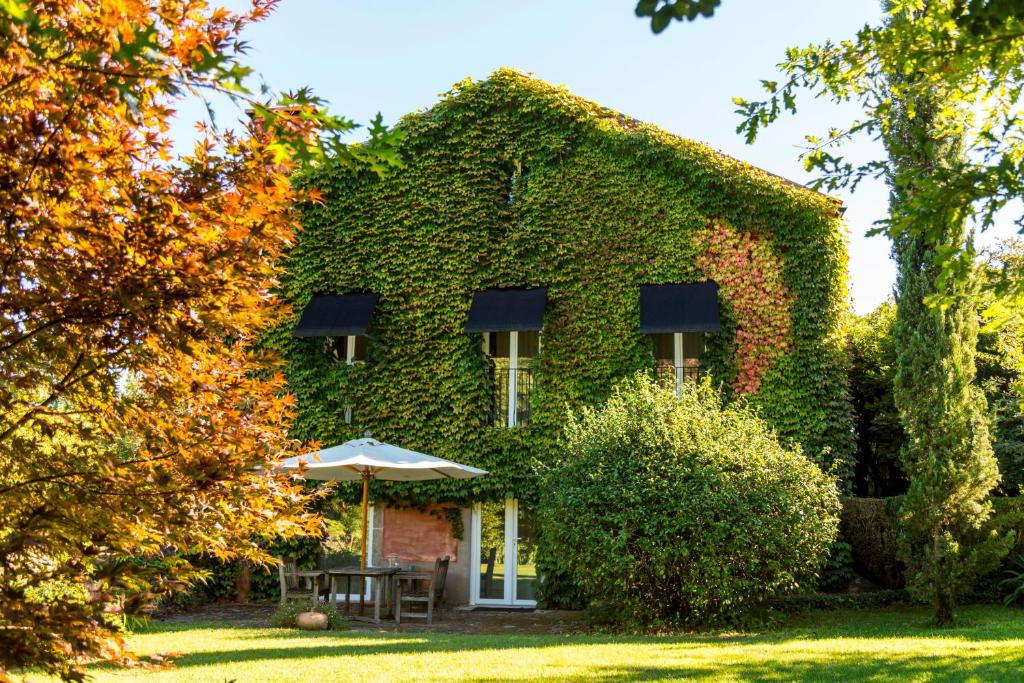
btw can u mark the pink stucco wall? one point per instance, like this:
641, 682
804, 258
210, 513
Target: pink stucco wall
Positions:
417, 536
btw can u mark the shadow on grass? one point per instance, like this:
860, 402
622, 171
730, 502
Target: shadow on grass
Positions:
834, 668
791, 663
791, 666
797, 651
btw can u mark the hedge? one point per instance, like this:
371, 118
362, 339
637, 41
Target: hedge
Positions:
871, 525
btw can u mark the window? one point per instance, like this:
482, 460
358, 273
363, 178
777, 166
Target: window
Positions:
515, 183
512, 355
339, 348
349, 349
677, 356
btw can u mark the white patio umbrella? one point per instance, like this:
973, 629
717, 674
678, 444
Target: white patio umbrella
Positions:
365, 459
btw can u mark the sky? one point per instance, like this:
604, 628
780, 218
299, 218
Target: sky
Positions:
369, 56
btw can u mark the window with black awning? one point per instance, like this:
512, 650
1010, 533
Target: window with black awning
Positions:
507, 310
690, 307
511, 320
337, 315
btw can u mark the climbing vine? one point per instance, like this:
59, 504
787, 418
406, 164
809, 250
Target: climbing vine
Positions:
749, 277
513, 182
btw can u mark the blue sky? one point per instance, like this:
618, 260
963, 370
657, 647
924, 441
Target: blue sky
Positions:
366, 56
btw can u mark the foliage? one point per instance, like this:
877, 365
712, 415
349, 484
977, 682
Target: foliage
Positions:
1013, 583
284, 616
556, 588
837, 573
1000, 364
607, 204
835, 601
759, 519
871, 526
886, 644
1000, 371
121, 267
662, 12
948, 457
880, 435
970, 51
750, 279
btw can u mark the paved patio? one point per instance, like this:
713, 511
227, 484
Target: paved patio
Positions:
454, 620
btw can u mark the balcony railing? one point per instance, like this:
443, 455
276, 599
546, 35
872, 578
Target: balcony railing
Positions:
519, 385
673, 375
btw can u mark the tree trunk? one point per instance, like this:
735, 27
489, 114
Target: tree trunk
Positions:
243, 582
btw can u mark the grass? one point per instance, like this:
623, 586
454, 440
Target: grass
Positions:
892, 644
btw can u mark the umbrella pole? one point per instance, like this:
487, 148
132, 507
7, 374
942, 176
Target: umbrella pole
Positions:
366, 496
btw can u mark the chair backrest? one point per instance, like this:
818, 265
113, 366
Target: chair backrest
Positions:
286, 570
440, 576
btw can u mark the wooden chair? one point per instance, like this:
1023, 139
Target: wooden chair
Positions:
434, 593
300, 585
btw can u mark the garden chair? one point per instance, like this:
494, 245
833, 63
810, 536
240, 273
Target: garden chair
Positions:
300, 585
434, 593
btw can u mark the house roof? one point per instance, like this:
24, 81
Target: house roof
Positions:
582, 108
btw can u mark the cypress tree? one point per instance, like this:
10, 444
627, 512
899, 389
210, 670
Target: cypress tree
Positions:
948, 456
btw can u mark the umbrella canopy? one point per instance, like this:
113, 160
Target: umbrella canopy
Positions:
365, 459
352, 459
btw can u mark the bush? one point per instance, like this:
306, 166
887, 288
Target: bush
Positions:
871, 527
837, 574
823, 601
284, 615
683, 511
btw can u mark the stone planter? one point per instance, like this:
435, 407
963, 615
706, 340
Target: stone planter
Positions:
311, 621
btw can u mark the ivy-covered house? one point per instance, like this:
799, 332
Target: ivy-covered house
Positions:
534, 248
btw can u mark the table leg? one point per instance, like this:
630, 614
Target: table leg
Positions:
334, 594
398, 601
348, 592
377, 598
362, 595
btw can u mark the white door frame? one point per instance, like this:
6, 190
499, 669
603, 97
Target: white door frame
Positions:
369, 555
510, 578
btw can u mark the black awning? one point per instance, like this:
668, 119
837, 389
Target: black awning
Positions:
506, 310
691, 307
336, 315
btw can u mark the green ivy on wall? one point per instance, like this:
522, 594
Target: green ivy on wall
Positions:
513, 182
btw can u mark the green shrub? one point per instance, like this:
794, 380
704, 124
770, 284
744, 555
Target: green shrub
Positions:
837, 573
871, 527
1013, 581
284, 615
816, 601
684, 511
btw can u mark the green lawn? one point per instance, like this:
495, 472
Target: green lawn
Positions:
878, 645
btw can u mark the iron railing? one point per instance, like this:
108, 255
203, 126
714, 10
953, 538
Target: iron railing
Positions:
500, 392
670, 375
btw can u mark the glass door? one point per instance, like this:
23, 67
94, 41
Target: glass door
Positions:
505, 545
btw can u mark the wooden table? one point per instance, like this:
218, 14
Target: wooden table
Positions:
384, 576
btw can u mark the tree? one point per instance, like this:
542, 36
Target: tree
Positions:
1000, 364
970, 50
948, 454
880, 435
120, 265
662, 12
